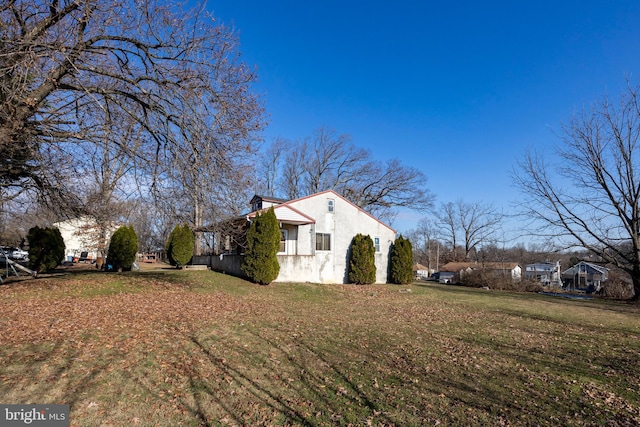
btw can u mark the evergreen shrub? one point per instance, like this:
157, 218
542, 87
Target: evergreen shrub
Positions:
401, 263
362, 262
46, 248
123, 248
180, 246
263, 242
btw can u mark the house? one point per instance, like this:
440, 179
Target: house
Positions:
421, 272
453, 272
585, 276
84, 239
511, 270
316, 233
544, 272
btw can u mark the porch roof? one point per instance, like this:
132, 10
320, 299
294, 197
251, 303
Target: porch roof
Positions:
288, 215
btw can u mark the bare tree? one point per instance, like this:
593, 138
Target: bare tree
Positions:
169, 70
293, 170
206, 171
104, 173
330, 161
383, 186
448, 224
473, 224
270, 162
590, 197
425, 244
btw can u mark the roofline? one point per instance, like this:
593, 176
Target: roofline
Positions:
254, 213
600, 268
346, 200
269, 198
311, 220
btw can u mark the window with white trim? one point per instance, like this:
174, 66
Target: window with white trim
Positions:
323, 242
376, 243
330, 205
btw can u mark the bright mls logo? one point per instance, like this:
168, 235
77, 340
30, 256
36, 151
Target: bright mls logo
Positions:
34, 415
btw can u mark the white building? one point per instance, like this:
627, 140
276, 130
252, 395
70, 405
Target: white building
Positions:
544, 272
82, 238
316, 233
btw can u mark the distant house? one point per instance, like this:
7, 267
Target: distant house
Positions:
453, 272
585, 276
511, 270
316, 233
84, 239
421, 272
544, 272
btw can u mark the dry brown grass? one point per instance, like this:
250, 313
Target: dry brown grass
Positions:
165, 347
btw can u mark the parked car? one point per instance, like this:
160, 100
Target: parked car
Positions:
20, 254
14, 253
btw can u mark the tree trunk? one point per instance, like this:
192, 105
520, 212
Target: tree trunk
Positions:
635, 277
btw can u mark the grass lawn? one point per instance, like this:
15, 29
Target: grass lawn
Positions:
170, 348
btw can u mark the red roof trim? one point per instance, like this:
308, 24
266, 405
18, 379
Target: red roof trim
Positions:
311, 220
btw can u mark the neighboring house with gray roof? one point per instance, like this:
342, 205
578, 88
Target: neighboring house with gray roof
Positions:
585, 276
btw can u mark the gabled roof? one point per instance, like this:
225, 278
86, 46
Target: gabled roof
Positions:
507, 265
587, 267
333, 193
288, 214
459, 266
418, 267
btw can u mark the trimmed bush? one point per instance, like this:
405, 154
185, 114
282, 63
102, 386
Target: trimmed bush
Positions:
401, 268
180, 246
362, 260
46, 248
123, 248
263, 242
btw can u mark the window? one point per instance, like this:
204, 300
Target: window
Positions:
330, 205
376, 243
283, 241
323, 242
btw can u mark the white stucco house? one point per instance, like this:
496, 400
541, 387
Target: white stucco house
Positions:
82, 238
316, 233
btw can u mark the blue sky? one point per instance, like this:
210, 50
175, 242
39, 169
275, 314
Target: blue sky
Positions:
458, 90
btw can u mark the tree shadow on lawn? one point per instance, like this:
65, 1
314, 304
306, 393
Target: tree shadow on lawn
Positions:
258, 380
311, 388
258, 396
51, 375
308, 399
